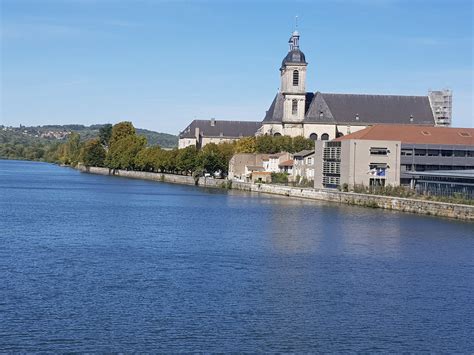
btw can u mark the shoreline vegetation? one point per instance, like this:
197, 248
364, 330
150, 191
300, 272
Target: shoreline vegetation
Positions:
121, 148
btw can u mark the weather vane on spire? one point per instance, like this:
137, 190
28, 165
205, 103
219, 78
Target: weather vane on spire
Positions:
296, 22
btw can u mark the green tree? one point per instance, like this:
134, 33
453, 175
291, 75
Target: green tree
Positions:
186, 159
211, 159
105, 133
300, 143
93, 153
70, 152
265, 144
246, 145
122, 153
121, 130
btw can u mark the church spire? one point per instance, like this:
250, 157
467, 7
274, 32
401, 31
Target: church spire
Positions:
294, 40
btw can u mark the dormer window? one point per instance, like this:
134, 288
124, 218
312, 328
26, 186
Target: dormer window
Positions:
296, 77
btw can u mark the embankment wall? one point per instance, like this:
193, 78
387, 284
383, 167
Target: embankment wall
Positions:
464, 212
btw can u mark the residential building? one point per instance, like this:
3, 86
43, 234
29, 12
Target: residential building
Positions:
240, 165
202, 132
303, 165
286, 167
244, 166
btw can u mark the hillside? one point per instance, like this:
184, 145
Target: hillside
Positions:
42, 142
58, 133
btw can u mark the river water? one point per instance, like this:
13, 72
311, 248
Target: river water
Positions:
97, 263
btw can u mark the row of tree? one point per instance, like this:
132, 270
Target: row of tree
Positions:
120, 147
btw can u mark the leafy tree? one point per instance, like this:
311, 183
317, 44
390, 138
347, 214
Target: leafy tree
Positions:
227, 150
186, 159
121, 130
300, 143
123, 152
246, 145
211, 159
70, 152
264, 144
93, 153
105, 133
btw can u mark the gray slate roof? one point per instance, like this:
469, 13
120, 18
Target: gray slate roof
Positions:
295, 56
229, 129
370, 109
303, 153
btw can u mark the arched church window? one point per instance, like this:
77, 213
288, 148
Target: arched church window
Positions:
313, 136
277, 134
296, 77
294, 106
324, 137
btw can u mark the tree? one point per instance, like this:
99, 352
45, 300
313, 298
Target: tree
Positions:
227, 150
264, 144
121, 130
211, 159
70, 152
246, 145
105, 133
300, 143
186, 159
122, 153
93, 153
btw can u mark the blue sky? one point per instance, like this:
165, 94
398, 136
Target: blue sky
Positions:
161, 64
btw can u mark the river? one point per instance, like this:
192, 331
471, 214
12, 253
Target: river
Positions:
97, 263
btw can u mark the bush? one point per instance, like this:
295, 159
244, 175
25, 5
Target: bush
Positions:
279, 178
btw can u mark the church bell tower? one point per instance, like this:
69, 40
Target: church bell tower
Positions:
293, 87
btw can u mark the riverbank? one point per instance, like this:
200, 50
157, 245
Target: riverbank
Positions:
440, 209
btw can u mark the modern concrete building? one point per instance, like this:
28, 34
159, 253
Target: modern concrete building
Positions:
444, 182
353, 162
389, 154
201, 132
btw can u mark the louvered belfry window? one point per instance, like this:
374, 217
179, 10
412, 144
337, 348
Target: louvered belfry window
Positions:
296, 77
294, 106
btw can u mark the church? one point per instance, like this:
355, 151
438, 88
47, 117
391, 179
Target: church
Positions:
325, 116
322, 116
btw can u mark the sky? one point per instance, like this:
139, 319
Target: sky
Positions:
161, 64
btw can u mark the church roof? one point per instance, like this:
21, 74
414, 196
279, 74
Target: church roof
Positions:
219, 128
295, 56
357, 109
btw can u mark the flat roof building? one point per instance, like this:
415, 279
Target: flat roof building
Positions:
390, 154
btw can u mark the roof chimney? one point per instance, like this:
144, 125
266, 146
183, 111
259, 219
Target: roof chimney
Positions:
213, 122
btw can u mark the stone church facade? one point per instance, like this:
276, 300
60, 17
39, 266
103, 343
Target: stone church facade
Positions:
325, 116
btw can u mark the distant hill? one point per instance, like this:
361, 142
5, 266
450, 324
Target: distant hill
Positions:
59, 133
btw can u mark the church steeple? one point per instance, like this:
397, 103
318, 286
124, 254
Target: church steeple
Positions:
294, 40
293, 82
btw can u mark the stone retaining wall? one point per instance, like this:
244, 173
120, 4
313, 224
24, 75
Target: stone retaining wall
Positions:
464, 212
